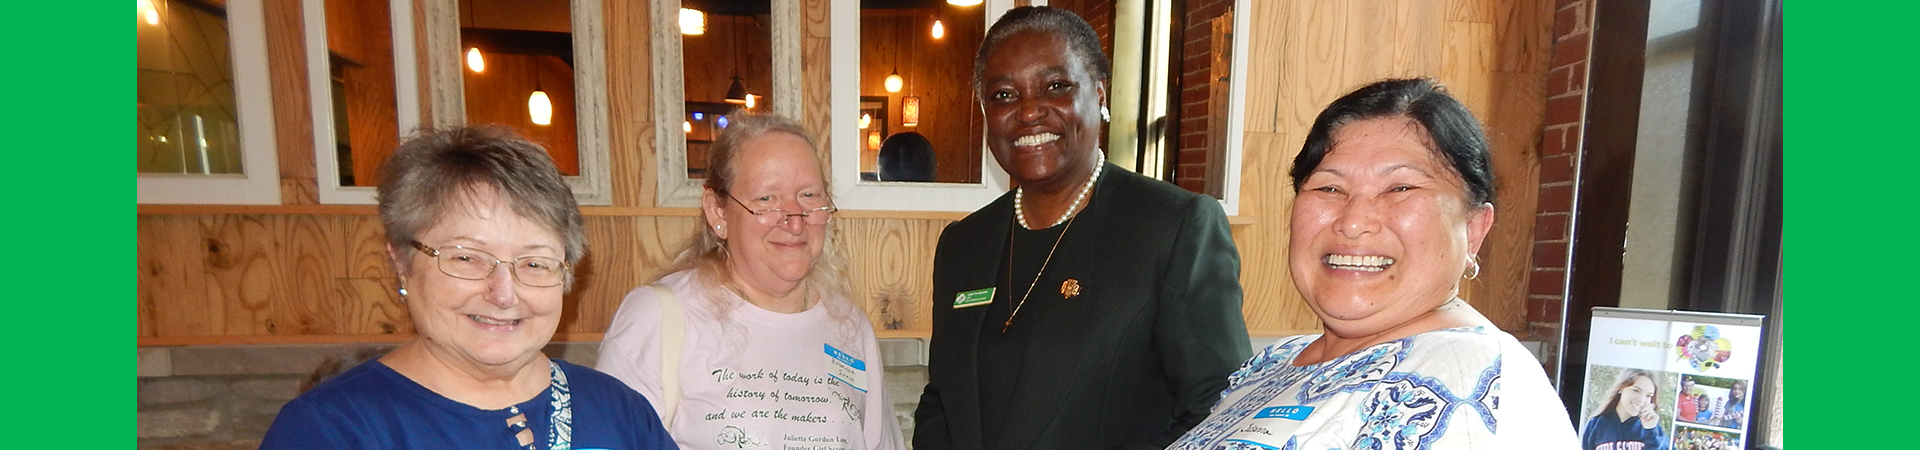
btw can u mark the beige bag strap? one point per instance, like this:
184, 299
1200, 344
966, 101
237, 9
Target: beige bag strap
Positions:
672, 335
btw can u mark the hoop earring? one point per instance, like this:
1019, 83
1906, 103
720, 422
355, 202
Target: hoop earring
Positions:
1473, 269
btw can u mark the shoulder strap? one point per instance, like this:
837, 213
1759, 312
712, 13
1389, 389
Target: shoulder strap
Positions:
672, 335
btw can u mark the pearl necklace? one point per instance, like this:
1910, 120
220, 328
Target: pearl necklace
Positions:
1020, 210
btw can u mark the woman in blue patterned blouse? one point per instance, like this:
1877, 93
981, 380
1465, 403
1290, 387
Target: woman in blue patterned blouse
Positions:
1393, 198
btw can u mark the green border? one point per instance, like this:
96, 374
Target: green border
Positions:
70, 212
1849, 169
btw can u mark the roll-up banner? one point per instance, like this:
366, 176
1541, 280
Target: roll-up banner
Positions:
1674, 380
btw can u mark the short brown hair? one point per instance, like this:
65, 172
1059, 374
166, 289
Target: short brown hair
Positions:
426, 176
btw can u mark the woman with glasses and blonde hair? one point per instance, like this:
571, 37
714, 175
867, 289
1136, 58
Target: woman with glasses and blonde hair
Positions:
749, 339
484, 235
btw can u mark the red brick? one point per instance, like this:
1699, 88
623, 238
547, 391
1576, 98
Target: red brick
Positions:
1556, 169
1559, 80
1549, 227
1553, 141
1564, 22
1193, 186
1542, 310
1546, 282
1556, 198
1570, 50
1577, 77
1193, 156
1549, 254
1564, 110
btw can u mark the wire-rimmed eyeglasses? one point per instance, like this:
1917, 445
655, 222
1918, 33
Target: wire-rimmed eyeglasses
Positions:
475, 264
774, 217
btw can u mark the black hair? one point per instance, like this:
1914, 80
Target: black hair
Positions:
1451, 130
906, 157
1082, 41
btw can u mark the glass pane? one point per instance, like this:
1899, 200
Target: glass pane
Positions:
524, 79
184, 90
733, 47
365, 121
934, 110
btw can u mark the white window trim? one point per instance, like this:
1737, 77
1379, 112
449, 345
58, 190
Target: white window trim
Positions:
594, 185
669, 106
259, 182
1236, 108
851, 191
406, 95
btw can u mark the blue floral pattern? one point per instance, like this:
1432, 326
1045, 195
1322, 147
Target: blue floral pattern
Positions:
1375, 398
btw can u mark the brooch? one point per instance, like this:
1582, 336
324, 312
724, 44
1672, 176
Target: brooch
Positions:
1069, 288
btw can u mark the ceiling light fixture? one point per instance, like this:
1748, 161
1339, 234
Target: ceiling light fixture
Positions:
693, 22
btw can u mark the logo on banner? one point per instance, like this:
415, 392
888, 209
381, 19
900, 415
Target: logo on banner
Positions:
1704, 348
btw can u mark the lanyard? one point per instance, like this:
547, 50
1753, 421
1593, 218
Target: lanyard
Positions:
560, 434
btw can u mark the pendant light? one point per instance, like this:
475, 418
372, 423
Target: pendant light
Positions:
149, 12
539, 107
939, 31
475, 62
693, 22
894, 81
964, 2
736, 93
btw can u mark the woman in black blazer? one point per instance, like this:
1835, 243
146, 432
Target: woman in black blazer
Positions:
1090, 308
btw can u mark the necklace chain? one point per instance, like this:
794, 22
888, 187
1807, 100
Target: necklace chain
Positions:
1020, 210
1036, 275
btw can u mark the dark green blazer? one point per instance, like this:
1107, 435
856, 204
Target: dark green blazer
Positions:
1159, 331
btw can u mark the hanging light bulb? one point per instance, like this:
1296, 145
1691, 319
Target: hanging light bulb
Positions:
895, 82
540, 107
939, 31
149, 12
866, 120
964, 2
692, 22
752, 100
686, 126
474, 61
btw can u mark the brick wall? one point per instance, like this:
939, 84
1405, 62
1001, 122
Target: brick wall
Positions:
1559, 155
1192, 162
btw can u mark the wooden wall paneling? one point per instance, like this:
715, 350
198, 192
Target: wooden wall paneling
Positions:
1506, 257
172, 282
1523, 35
1480, 11
1267, 49
309, 261
630, 103
292, 110
361, 31
624, 253
890, 266
815, 80
369, 306
1271, 303
242, 271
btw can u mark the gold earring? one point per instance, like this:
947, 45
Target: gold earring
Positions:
1473, 268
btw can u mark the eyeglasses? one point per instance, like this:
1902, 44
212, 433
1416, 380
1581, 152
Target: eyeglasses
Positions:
475, 264
774, 217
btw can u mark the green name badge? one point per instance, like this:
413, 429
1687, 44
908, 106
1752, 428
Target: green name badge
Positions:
974, 297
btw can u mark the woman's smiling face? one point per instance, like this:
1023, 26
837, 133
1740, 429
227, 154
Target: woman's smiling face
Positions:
1381, 229
1042, 109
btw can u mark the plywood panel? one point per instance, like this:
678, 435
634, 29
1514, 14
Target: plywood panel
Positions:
173, 279
630, 101
369, 306
243, 270
309, 260
292, 109
891, 269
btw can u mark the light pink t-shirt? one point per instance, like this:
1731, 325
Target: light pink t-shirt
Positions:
752, 378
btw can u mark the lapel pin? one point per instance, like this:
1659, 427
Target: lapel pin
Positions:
1069, 288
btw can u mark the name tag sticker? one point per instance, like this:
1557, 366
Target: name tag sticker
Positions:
973, 298
1271, 427
844, 367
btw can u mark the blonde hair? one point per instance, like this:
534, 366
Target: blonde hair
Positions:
705, 253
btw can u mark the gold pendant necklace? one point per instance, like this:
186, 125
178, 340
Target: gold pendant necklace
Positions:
1036, 275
